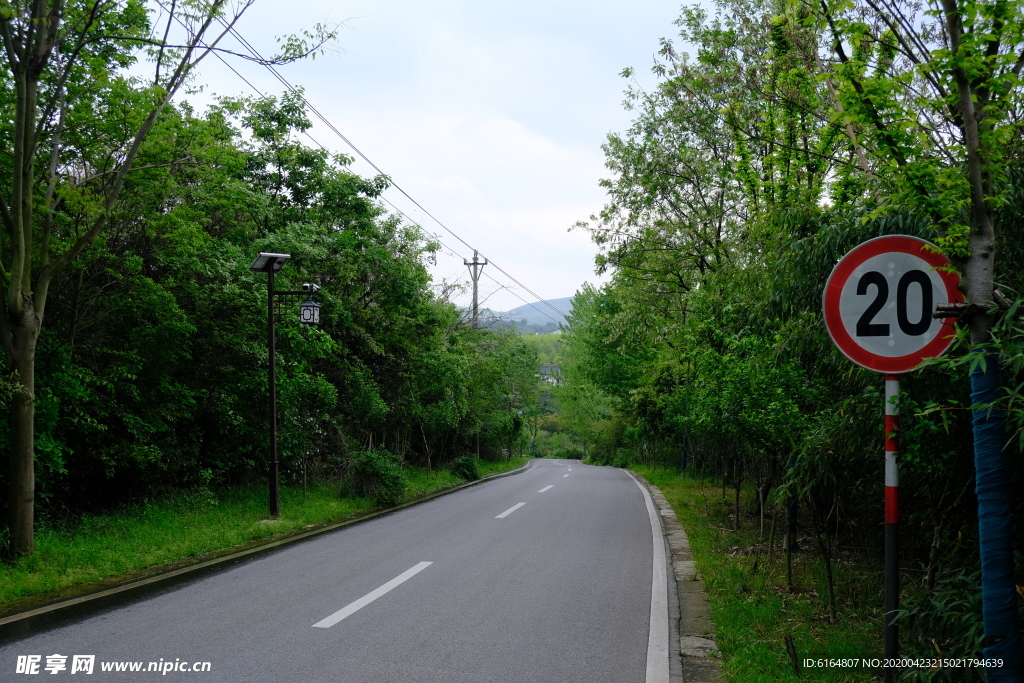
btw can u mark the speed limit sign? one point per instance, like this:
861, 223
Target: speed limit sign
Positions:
878, 307
879, 300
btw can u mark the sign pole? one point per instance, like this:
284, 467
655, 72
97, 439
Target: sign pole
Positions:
892, 522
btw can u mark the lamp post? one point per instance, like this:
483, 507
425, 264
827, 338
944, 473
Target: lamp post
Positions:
309, 313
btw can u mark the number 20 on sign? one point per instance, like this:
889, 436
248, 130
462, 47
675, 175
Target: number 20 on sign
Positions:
878, 305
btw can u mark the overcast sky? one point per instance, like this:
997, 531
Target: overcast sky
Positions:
490, 114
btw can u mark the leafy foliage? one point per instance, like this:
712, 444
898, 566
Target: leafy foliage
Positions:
378, 475
467, 467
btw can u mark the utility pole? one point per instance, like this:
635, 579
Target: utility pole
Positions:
475, 268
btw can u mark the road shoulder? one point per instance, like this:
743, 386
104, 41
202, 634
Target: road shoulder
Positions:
696, 631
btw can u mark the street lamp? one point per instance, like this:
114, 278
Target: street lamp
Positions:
309, 313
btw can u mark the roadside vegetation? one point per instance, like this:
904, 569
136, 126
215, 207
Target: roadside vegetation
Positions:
744, 574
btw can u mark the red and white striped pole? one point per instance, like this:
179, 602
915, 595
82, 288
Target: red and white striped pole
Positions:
892, 522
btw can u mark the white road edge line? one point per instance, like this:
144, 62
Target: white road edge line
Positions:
353, 607
657, 641
546, 488
508, 512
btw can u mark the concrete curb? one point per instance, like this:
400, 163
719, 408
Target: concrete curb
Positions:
39, 605
696, 630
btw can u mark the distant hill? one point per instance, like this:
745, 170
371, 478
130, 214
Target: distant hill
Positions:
535, 318
538, 313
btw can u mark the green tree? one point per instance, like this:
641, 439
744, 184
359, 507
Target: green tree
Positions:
77, 123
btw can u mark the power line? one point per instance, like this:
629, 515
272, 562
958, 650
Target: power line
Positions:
259, 58
248, 46
385, 199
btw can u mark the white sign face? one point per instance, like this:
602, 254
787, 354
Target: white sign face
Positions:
886, 306
879, 299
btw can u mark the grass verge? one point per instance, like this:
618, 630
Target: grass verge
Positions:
752, 609
487, 468
187, 524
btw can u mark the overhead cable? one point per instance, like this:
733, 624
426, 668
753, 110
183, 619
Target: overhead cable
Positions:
334, 129
406, 216
298, 93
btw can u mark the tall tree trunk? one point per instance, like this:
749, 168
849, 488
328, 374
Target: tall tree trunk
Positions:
825, 546
737, 482
762, 486
426, 446
792, 508
789, 567
995, 523
21, 497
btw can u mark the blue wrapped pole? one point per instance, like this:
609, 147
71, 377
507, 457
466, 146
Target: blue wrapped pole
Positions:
995, 524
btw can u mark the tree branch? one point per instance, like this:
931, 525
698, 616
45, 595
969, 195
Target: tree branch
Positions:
872, 111
184, 67
95, 176
70, 59
163, 48
886, 15
8, 221
973, 143
51, 184
1019, 65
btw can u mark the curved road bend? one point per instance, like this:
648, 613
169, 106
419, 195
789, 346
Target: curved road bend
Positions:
543, 576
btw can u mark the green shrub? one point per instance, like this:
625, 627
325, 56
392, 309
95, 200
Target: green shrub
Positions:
948, 620
624, 457
466, 467
376, 474
571, 453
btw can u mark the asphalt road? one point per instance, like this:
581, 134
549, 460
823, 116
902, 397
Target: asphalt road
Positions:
557, 590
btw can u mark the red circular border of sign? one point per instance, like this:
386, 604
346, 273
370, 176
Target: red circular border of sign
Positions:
906, 244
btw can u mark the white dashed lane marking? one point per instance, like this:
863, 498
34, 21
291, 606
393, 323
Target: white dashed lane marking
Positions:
362, 602
508, 512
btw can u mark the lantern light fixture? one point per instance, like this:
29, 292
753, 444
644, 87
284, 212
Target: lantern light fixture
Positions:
309, 313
